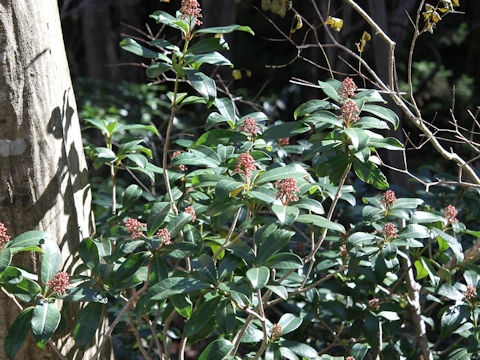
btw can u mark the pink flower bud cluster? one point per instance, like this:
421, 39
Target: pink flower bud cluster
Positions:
389, 231
449, 214
470, 293
374, 304
347, 90
191, 8
59, 283
250, 126
4, 238
343, 252
388, 199
135, 227
349, 113
349, 358
165, 235
180, 167
284, 141
190, 210
286, 190
245, 166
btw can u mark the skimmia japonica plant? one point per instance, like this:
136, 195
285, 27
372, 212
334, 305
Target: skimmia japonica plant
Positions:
240, 253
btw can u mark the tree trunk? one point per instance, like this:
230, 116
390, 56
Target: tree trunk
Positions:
43, 173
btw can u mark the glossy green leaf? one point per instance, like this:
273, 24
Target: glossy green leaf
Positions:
17, 333
225, 29
292, 170
370, 173
27, 239
220, 136
226, 109
157, 216
130, 266
203, 84
213, 58
264, 194
258, 277
225, 317
89, 253
285, 214
415, 231
284, 261
157, 69
311, 106
5, 259
45, 320
285, 130
453, 317
134, 47
26, 290
329, 90
320, 221
383, 113
182, 304
51, 261
132, 193
207, 45
175, 285
177, 223
84, 295
201, 316
279, 290
216, 350
289, 323
164, 18
300, 349
87, 324
272, 244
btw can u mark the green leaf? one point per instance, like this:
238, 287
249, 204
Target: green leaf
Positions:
453, 317
225, 29
51, 261
221, 136
226, 109
138, 127
201, 316
157, 69
182, 304
450, 292
156, 217
175, 285
258, 277
215, 118
272, 244
359, 350
323, 120
132, 193
17, 333
87, 324
134, 47
26, 290
389, 315
203, 84
45, 320
385, 143
424, 217
289, 323
5, 259
167, 19
225, 317
84, 295
130, 266
209, 44
320, 221
213, 58
216, 350
28, 239
329, 90
88, 253
414, 231
369, 172
285, 130
368, 122
284, 261
300, 349
279, 290
292, 170
140, 160
285, 214
383, 113
311, 205
453, 243
407, 203
264, 194
312, 106
196, 158
177, 223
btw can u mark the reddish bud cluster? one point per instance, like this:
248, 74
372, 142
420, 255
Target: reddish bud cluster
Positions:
284, 141
349, 113
470, 293
286, 190
343, 252
374, 304
165, 235
450, 213
349, 358
276, 330
347, 90
135, 227
191, 8
3, 235
389, 231
180, 167
250, 126
245, 166
190, 210
388, 199
59, 283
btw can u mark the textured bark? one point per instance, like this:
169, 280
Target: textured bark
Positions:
43, 174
